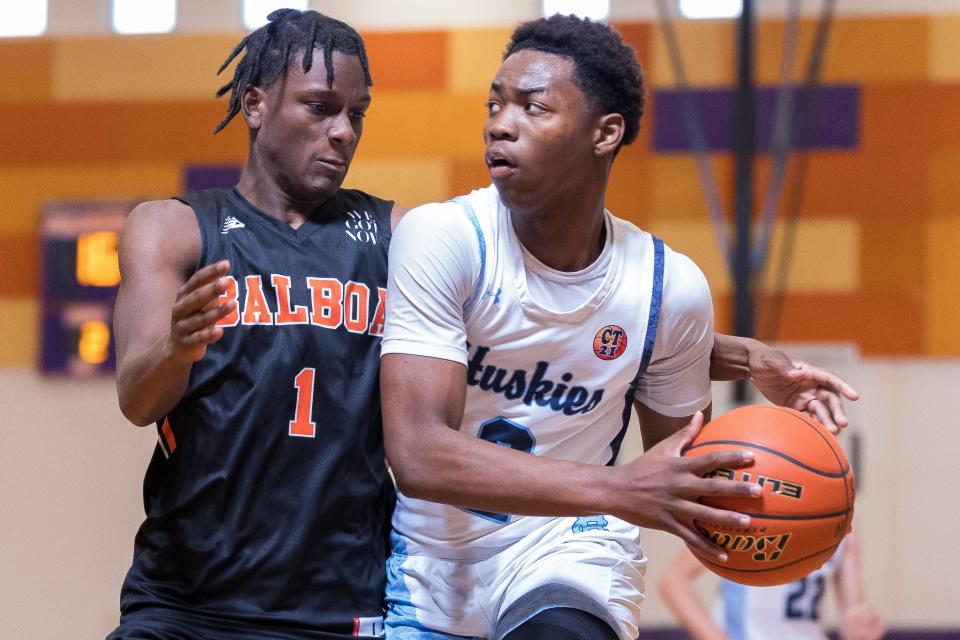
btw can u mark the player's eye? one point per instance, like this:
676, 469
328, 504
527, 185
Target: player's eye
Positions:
534, 108
318, 107
492, 107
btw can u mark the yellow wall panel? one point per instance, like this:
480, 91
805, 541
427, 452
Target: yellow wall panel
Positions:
140, 67
892, 253
769, 43
878, 50
696, 240
826, 255
942, 294
425, 124
853, 51
474, 57
408, 181
945, 48
675, 187
19, 320
25, 189
707, 48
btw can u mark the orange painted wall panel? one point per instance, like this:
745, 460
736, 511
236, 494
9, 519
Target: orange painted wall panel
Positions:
882, 324
114, 132
910, 117
467, 175
26, 68
20, 265
629, 188
407, 61
65, 137
638, 35
866, 184
944, 169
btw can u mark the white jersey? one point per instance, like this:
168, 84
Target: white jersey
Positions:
785, 612
557, 383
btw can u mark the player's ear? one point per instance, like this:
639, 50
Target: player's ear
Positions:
253, 105
608, 133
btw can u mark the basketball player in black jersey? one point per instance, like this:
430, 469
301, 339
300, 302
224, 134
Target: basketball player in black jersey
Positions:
248, 327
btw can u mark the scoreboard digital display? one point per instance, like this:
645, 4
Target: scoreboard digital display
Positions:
80, 276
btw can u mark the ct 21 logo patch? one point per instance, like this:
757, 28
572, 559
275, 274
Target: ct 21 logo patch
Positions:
610, 342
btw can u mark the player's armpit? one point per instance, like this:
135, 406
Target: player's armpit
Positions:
396, 214
656, 427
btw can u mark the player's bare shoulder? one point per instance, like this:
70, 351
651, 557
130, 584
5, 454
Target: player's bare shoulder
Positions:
161, 234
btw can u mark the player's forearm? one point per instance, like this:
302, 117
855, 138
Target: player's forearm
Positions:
460, 469
730, 358
150, 382
684, 601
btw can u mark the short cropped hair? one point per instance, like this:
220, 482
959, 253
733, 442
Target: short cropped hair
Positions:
605, 67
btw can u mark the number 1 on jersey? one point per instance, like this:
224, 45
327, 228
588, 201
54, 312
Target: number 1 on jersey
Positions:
302, 425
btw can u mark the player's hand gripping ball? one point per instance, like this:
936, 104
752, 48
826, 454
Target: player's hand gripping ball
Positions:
805, 508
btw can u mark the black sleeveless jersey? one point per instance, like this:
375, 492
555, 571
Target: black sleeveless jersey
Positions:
267, 498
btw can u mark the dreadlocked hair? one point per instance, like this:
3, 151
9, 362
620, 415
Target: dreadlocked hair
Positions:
273, 46
605, 67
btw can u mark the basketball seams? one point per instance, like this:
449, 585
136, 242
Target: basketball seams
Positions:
806, 420
846, 481
806, 516
831, 549
780, 454
778, 450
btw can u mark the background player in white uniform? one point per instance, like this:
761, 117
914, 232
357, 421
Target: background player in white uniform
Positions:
786, 612
527, 316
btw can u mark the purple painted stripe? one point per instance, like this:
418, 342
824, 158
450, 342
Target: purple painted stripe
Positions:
200, 177
835, 111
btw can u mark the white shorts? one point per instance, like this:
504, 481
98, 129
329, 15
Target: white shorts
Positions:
594, 563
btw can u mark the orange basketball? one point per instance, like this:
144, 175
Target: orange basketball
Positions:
806, 505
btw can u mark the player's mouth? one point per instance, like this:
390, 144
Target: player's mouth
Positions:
500, 164
335, 164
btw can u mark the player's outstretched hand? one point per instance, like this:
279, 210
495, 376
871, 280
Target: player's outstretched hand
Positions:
801, 386
196, 312
663, 489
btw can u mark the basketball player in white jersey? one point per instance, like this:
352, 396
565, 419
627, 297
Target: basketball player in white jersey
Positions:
525, 323
785, 612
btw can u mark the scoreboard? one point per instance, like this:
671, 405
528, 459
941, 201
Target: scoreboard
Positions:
80, 276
